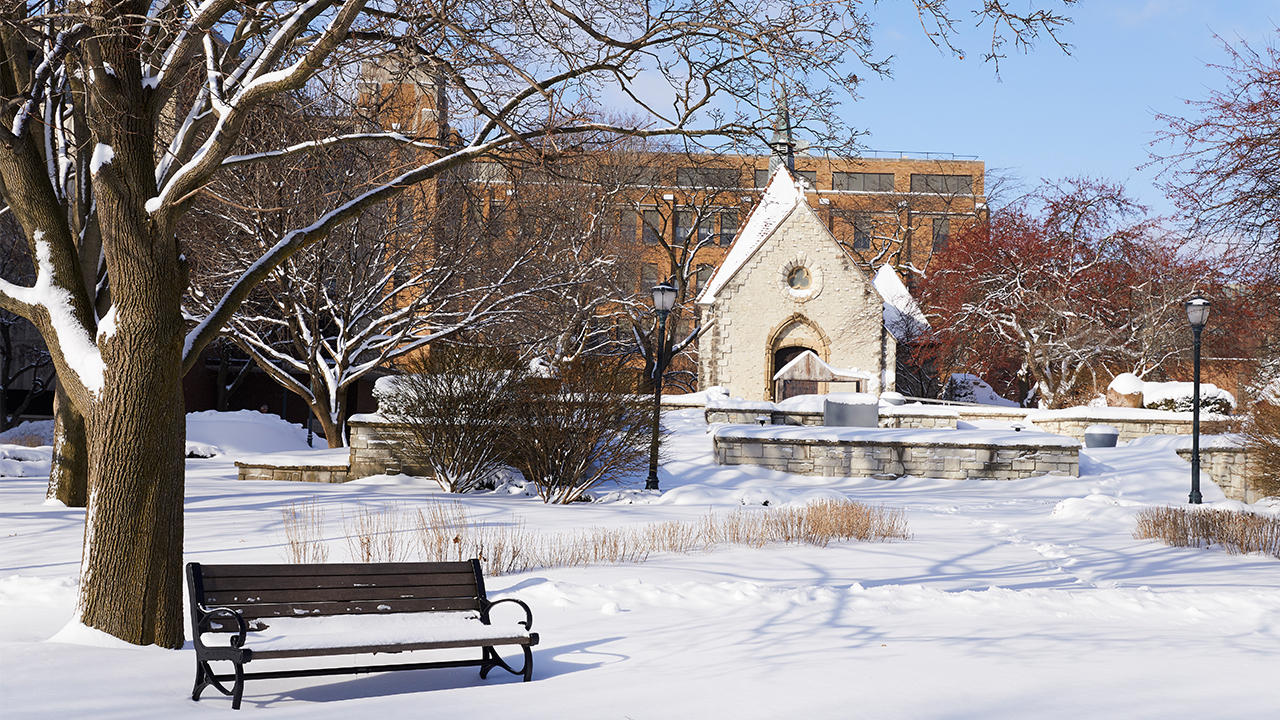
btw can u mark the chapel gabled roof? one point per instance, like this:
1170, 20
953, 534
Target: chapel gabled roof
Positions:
780, 198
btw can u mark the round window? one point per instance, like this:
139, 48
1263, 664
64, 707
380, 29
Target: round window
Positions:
799, 279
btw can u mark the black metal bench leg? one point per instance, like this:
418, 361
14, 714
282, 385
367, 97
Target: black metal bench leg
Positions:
528, 663
492, 659
203, 673
237, 690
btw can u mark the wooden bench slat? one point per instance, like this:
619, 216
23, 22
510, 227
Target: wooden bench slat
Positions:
316, 582
513, 640
252, 596
266, 611
355, 569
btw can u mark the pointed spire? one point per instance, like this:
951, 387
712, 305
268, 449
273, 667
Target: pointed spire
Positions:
783, 143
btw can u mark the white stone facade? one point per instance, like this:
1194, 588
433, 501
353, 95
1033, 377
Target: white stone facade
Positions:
755, 312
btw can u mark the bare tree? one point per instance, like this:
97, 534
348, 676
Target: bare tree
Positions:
1223, 168
99, 143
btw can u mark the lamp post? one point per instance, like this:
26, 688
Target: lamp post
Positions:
664, 297
1198, 316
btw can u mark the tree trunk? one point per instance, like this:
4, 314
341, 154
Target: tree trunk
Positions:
69, 471
131, 571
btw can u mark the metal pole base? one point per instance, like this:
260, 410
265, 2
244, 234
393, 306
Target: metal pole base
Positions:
652, 482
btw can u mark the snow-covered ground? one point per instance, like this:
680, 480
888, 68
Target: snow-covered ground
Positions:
1023, 599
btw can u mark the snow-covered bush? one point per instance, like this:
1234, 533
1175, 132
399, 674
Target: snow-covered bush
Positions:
593, 430
459, 407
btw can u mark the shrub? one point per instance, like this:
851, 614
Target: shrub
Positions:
588, 431
458, 406
1216, 405
1262, 440
1237, 532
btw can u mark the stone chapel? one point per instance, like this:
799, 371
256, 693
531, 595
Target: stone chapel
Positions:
786, 286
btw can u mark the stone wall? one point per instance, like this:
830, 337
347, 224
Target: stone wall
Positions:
373, 450
887, 459
1160, 423
296, 473
1230, 469
890, 417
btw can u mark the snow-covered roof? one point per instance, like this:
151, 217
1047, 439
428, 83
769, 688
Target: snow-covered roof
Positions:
902, 314
808, 366
780, 198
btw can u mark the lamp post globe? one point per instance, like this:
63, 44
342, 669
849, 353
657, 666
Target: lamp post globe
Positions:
664, 298
1198, 316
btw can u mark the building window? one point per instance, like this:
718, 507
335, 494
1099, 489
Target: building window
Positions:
728, 226
652, 226
648, 276
684, 226
861, 232
941, 231
708, 177
862, 182
942, 184
702, 277
799, 278
762, 177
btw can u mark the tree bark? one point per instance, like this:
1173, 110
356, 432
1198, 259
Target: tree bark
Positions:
69, 471
131, 570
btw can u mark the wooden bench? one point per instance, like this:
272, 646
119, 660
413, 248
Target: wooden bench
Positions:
292, 611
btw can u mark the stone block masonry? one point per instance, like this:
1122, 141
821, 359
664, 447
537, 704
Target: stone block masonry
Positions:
1230, 468
890, 454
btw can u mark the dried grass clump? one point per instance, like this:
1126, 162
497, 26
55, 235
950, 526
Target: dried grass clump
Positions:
25, 441
1235, 531
1262, 440
375, 534
304, 532
447, 532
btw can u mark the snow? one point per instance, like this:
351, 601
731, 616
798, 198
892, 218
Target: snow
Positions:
102, 155
1025, 598
242, 434
902, 314
700, 398
1154, 392
971, 388
1126, 384
355, 630
780, 197
40, 429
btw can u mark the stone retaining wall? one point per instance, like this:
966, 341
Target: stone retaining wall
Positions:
297, 473
888, 459
888, 418
373, 449
1230, 468
1129, 429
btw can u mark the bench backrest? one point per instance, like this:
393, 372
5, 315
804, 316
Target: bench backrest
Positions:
310, 590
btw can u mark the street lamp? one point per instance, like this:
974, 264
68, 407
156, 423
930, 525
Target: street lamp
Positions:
1198, 316
664, 298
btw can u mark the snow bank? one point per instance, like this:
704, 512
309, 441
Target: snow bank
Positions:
40, 429
1156, 392
240, 434
22, 461
971, 388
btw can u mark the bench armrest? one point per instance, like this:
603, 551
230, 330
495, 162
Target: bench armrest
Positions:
207, 613
528, 614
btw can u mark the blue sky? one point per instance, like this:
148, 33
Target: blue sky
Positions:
1050, 115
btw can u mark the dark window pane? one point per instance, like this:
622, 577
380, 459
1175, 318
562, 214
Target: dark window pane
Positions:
941, 231
810, 175
862, 182
648, 276
708, 177
762, 178
942, 184
728, 226
861, 233
652, 226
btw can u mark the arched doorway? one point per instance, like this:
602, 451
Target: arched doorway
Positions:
790, 388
